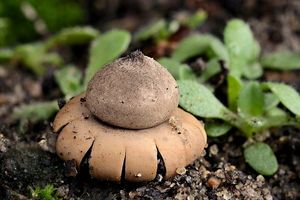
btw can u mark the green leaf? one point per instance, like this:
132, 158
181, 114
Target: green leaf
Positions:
172, 27
189, 47
105, 49
253, 71
186, 73
215, 129
212, 68
216, 48
196, 19
179, 71
151, 30
276, 117
35, 112
239, 40
261, 158
35, 57
251, 100
198, 100
256, 50
234, 85
287, 95
241, 45
74, 35
284, 60
271, 101
197, 44
236, 67
69, 80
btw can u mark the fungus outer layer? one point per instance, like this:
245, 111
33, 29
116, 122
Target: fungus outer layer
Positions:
179, 141
133, 92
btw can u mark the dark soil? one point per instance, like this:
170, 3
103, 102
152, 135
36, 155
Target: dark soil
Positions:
26, 160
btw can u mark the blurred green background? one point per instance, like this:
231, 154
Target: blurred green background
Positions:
24, 21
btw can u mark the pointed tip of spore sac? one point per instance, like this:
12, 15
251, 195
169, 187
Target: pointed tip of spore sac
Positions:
135, 56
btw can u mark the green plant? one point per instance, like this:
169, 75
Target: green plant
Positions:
46, 193
104, 48
252, 106
37, 56
71, 81
162, 29
33, 113
22, 18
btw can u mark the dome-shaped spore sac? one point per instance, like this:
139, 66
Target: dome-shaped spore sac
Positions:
133, 92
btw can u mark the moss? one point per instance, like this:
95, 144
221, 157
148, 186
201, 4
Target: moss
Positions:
46, 193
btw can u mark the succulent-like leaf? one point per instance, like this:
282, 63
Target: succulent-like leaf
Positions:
178, 70
271, 101
35, 112
253, 71
217, 129
284, 60
251, 100
234, 85
239, 39
196, 19
69, 80
151, 30
198, 100
212, 68
74, 35
241, 45
287, 95
198, 44
35, 57
261, 158
276, 117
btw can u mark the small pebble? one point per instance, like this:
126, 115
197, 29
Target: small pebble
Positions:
213, 150
181, 171
63, 191
213, 182
131, 195
43, 144
4, 143
190, 198
260, 178
159, 178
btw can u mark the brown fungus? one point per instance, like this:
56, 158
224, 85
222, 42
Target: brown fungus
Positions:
132, 154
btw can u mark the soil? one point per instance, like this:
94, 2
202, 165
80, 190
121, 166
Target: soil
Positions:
26, 160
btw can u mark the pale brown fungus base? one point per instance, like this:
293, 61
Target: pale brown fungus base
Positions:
179, 142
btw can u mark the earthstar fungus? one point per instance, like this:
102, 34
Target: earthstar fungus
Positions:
128, 120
